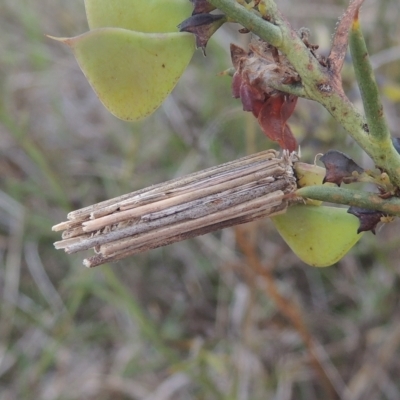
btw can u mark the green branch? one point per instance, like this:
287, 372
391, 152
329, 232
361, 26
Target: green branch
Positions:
318, 82
350, 197
278, 33
250, 20
296, 89
315, 78
379, 134
378, 127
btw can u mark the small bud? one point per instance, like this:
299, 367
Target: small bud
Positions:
271, 107
237, 53
202, 7
340, 168
203, 26
369, 219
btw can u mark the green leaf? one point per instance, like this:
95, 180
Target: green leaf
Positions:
320, 236
132, 72
153, 16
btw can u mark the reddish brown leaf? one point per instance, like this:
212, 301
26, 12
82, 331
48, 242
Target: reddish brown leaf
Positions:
288, 106
236, 84
252, 99
340, 167
271, 108
237, 53
340, 40
369, 219
288, 140
257, 106
274, 126
270, 118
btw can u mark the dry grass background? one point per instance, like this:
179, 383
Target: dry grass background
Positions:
231, 315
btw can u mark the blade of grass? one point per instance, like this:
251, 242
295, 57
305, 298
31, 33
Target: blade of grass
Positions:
118, 295
37, 156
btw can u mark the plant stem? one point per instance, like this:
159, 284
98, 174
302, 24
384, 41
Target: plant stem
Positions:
312, 73
250, 20
378, 127
383, 152
318, 83
350, 197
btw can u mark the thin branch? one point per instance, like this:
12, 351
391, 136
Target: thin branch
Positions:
320, 83
316, 79
250, 20
340, 41
351, 197
295, 89
378, 127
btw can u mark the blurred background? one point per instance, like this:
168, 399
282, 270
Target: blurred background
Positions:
230, 315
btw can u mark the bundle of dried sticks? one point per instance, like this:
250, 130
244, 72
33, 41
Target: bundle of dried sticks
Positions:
240, 191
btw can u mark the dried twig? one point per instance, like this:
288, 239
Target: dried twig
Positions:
233, 193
